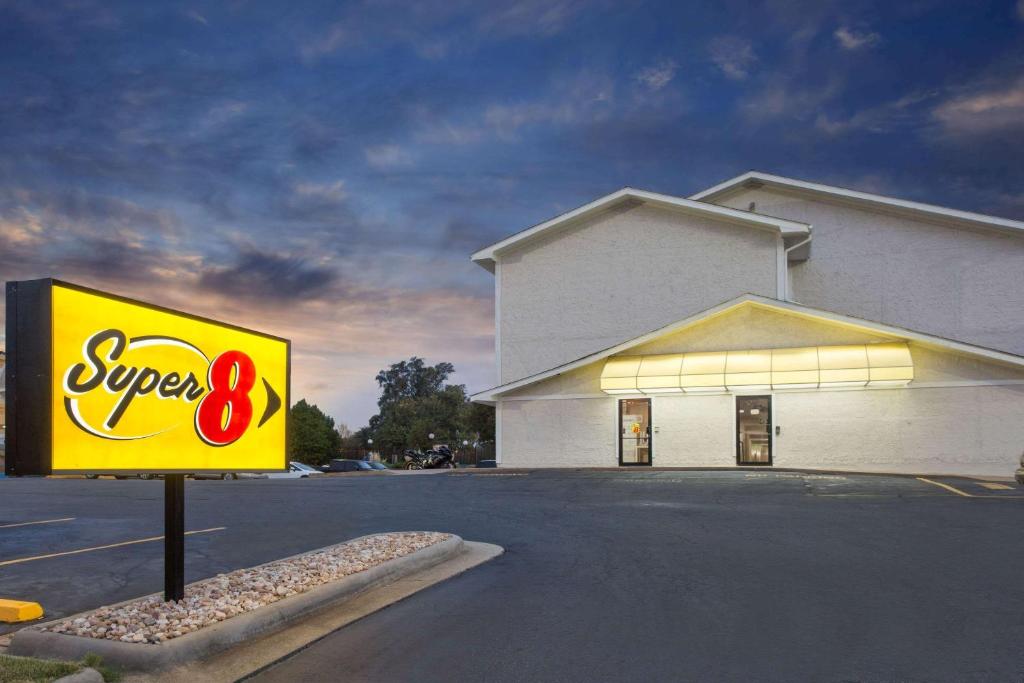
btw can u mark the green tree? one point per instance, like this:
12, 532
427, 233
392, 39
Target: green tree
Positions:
415, 402
478, 421
312, 437
411, 379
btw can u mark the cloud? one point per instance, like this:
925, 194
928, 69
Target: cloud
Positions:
22, 230
77, 212
313, 202
464, 235
327, 192
734, 56
383, 157
581, 97
903, 112
197, 17
991, 109
854, 39
434, 29
659, 75
447, 133
507, 119
336, 36
1020, 9
531, 17
258, 275
788, 97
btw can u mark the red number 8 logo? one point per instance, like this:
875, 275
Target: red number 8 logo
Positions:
212, 425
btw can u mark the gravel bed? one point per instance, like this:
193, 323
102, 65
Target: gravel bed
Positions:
151, 620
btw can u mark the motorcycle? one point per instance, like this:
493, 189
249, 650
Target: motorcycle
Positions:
441, 457
434, 458
413, 459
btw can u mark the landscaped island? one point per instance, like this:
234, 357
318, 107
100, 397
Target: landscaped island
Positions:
151, 620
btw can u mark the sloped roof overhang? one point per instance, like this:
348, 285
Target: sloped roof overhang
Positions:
924, 339
487, 256
891, 205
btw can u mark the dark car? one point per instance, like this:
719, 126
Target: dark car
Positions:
349, 466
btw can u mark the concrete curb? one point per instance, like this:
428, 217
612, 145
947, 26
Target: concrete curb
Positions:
33, 642
265, 651
86, 675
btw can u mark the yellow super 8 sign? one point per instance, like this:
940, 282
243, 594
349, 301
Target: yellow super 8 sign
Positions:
138, 388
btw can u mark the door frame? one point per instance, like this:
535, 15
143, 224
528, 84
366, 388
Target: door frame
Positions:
771, 429
650, 432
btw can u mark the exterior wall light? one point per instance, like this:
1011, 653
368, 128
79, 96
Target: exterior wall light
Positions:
889, 365
748, 370
660, 374
703, 373
843, 366
884, 364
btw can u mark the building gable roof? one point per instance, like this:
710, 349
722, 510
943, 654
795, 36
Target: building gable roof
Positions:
486, 257
756, 179
789, 307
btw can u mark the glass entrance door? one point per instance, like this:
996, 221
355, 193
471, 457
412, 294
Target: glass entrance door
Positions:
753, 430
635, 431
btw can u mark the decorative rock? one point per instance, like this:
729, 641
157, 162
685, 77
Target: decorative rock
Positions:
227, 595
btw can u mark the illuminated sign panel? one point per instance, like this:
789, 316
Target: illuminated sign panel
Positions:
131, 387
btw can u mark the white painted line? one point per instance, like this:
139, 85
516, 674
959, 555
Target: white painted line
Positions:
42, 521
103, 547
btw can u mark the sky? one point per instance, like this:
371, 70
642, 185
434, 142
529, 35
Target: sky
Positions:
323, 170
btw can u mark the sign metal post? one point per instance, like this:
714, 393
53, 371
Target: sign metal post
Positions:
174, 537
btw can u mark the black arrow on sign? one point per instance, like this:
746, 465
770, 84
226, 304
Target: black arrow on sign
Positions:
273, 403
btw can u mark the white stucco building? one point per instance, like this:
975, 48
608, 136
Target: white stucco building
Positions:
764, 321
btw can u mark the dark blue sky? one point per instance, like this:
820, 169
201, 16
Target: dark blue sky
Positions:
323, 170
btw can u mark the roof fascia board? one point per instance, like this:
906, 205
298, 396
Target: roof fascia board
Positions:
891, 204
785, 226
770, 304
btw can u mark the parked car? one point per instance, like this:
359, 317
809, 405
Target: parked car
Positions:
340, 465
228, 475
377, 465
125, 476
1019, 476
296, 470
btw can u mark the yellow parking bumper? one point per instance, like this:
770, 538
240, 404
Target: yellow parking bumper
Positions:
13, 611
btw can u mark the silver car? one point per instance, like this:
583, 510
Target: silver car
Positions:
296, 470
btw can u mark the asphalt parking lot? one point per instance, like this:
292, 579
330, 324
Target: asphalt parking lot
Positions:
625, 575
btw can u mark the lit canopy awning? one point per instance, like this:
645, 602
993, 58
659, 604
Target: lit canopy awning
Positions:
810, 367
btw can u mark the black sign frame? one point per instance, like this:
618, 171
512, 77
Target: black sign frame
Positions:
29, 379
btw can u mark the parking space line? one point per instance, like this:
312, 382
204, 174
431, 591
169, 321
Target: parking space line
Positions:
995, 486
947, 487
103, 547
969, 495
42, 521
